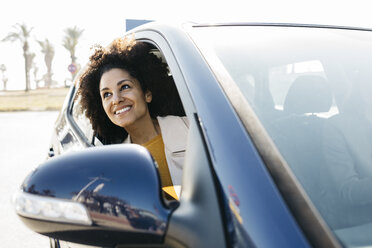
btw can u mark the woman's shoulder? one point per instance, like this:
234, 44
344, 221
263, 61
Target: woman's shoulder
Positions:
170, 121
174, 130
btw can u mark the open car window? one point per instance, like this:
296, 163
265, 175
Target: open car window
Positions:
175, 140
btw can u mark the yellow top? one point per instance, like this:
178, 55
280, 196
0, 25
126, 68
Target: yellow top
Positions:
156, 148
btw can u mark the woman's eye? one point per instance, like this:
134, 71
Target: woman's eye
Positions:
106, 94
124, 87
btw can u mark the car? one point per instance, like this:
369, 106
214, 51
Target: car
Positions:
278, 151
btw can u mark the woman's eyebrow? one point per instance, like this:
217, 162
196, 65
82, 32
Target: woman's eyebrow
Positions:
118, 83
122, 81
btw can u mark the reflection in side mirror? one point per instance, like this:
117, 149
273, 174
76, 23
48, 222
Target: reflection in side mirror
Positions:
102, 196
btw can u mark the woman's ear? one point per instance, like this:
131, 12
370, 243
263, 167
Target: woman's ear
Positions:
148, 96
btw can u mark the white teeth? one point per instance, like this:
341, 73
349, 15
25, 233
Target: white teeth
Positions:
122, 110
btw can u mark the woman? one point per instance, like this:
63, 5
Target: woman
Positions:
129, 97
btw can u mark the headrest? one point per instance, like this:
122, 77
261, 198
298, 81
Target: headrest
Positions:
308, 94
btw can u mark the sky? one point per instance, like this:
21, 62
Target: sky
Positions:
103, 21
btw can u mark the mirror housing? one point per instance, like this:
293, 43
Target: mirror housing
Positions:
101, 196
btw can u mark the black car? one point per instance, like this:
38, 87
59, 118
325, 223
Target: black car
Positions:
278, 155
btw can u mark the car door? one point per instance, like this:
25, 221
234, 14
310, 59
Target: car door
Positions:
187, 228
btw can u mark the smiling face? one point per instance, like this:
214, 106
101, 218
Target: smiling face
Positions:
123, 99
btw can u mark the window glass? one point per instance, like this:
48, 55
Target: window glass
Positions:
311, 88
281, 77
81, 120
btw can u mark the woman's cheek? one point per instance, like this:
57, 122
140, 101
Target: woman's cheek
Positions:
106, 107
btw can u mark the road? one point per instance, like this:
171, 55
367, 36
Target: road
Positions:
24, 140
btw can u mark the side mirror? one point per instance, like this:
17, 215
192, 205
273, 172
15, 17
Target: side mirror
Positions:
102, 196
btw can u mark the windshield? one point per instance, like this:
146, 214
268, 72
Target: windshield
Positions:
311, 88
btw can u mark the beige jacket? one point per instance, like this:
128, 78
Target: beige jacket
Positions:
174, 131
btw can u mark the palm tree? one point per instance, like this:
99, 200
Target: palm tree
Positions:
70, 41
48, 50
4, 78
22, 33
30, 62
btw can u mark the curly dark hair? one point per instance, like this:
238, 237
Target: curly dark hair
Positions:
139, 61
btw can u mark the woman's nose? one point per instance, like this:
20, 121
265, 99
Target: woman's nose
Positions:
116, 99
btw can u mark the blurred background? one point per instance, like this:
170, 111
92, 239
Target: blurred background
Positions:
47, 40
61, 33
43, 44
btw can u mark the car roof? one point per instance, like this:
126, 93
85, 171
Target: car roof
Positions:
183, 25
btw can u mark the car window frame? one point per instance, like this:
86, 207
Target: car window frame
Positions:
197, 137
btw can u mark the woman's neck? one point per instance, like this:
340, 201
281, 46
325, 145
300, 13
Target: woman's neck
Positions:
143, 133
